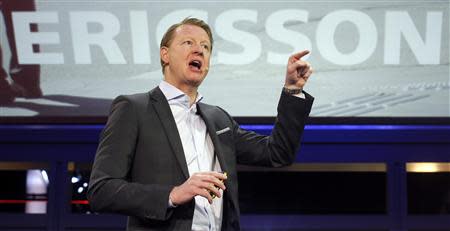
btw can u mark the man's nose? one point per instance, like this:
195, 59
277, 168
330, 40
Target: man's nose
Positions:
197, 49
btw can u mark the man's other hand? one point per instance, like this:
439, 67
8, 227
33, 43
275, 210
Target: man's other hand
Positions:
199, 184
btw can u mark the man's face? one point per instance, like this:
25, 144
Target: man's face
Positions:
187, 57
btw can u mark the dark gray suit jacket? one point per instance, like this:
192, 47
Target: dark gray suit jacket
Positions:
140, 158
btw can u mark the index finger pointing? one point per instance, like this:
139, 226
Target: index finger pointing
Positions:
300, 54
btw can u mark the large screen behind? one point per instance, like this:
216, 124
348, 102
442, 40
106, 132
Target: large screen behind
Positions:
371, 58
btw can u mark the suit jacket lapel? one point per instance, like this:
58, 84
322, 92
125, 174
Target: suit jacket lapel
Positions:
208, 118
162, 108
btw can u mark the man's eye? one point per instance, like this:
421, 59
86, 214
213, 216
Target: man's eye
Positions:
188, 42
206, 47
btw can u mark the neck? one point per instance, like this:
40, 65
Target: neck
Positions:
190, 91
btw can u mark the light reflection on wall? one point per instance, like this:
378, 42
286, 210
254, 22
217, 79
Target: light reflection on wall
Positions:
36, 185
428, 167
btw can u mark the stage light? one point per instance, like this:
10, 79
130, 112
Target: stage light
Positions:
75, 179
45, 176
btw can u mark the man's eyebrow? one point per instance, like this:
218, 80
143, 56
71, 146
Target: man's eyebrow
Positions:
201, 42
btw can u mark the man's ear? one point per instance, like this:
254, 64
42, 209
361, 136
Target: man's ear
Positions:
164, 54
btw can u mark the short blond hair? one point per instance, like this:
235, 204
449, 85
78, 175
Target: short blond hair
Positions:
168, 36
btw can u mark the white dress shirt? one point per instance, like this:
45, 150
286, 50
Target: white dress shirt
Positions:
199, 152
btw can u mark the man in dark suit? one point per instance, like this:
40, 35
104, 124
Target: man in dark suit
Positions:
163, 155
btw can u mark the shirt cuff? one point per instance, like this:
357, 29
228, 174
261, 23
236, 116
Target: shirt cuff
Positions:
300, 95
171, 205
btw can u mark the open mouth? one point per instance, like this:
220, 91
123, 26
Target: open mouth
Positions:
196, 64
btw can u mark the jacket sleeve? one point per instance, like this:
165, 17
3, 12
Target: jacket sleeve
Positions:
280, 147
110, 189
